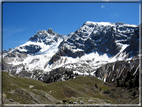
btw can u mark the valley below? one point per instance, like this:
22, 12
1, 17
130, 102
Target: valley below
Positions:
81, 90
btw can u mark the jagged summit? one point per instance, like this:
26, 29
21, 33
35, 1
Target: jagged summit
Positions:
119, 23
50, 31
42, 34
45, 36
89, 23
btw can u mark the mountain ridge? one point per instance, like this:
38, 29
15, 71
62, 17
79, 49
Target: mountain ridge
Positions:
90, 47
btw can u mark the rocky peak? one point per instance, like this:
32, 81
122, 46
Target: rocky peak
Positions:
42, 35
50, 31
119, 23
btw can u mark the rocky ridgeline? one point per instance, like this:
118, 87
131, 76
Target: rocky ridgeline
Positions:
98, 38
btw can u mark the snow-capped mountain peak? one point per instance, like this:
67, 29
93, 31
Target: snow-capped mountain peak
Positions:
44, 36
50, 31
90, 23
91, 46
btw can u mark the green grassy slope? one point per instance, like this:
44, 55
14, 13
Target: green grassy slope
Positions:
28, 91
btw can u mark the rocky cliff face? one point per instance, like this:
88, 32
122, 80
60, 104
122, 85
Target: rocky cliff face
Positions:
106, 50
102, 38
113, 71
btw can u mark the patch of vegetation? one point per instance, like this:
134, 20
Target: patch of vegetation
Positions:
124, 95
81, 90
126, 90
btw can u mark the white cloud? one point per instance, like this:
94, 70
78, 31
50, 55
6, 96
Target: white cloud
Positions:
102, 6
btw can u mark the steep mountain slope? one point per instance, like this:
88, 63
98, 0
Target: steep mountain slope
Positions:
98, 43
35, 53
112, 71
92, 46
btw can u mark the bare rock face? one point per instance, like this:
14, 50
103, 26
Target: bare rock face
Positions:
118, 70
50, 31
14, 55
94, 37
32, 48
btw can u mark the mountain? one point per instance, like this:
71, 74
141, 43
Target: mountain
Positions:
102, 49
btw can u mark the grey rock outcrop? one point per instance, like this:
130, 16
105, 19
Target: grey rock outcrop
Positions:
113, 71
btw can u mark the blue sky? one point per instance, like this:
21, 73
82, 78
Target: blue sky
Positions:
23, 20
